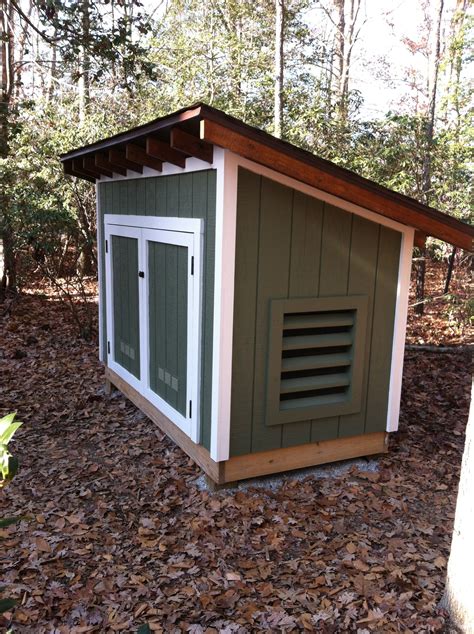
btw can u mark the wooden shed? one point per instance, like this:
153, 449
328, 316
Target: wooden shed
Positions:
253, 297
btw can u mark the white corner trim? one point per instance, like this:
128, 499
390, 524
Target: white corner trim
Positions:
226, 218
99, 242
400, 328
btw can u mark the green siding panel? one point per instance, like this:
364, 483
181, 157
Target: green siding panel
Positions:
168, 299
208, 213
362, 274
245, 307
333, 279
186, 195
141, 197
382, 331
290, 245
125, 303
272, 282
306, 235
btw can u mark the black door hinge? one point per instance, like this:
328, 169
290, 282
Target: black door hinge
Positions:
141, 273
106, 246
192, 265
190, 409
108, 347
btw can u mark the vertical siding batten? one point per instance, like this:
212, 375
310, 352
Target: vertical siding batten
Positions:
362, 275
383, 323
273, 276
304, 279
336, 238
245, 308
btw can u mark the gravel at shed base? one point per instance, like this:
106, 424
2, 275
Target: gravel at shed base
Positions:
274, 482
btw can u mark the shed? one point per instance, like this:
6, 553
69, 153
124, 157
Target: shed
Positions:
253, 297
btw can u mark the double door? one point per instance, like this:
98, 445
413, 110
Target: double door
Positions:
153, 311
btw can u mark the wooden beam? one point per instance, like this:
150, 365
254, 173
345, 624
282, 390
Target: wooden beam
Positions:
78, 167
89, 165
191, 145
430, 223
199, 454
70, 171
420, 239
164, 152
102, 162
138, 155
255, 464
118, 158
279, 460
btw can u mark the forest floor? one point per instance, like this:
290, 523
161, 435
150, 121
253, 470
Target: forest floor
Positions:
119, 534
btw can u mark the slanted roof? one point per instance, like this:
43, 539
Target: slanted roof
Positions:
195, 130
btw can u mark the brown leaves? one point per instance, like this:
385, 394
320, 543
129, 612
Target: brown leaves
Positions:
120, 535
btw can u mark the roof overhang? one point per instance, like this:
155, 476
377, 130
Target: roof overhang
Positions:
195, 130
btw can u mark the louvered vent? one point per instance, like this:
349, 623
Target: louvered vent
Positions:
315, 358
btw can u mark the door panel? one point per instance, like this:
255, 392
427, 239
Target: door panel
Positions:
168, 319
153, 273
125, 299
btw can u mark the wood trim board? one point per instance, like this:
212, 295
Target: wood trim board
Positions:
254, 150
257, 464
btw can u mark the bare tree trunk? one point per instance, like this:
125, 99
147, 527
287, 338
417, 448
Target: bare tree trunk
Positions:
279, 67
84, 71
8, 275
52, 71
346, 37
428, 155
458, 595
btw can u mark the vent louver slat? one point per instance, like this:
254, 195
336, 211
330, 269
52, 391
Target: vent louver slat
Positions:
316, 358
321, 382
305, 342
318, 361
317, 341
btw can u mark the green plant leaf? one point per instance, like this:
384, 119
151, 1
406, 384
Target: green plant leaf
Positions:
6, 421
9, 521
6, 433
144, 629
6, 605
13, 465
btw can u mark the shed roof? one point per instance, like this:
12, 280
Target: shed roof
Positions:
194, 130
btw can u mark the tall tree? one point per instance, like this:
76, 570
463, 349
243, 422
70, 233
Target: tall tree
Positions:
8, 274
458, 595
279, 66
434, 62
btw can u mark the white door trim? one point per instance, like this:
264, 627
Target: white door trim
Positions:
191, 238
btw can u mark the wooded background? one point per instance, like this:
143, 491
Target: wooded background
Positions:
76, 71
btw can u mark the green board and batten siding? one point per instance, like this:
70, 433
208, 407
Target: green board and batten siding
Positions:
126, 314
190, 195
290, 245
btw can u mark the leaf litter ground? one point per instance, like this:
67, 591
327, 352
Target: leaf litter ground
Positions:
121, 535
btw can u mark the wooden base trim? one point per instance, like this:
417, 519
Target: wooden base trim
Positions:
199, 454
289, 458
255, 464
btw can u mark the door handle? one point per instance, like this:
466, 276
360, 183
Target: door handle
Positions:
141, 273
